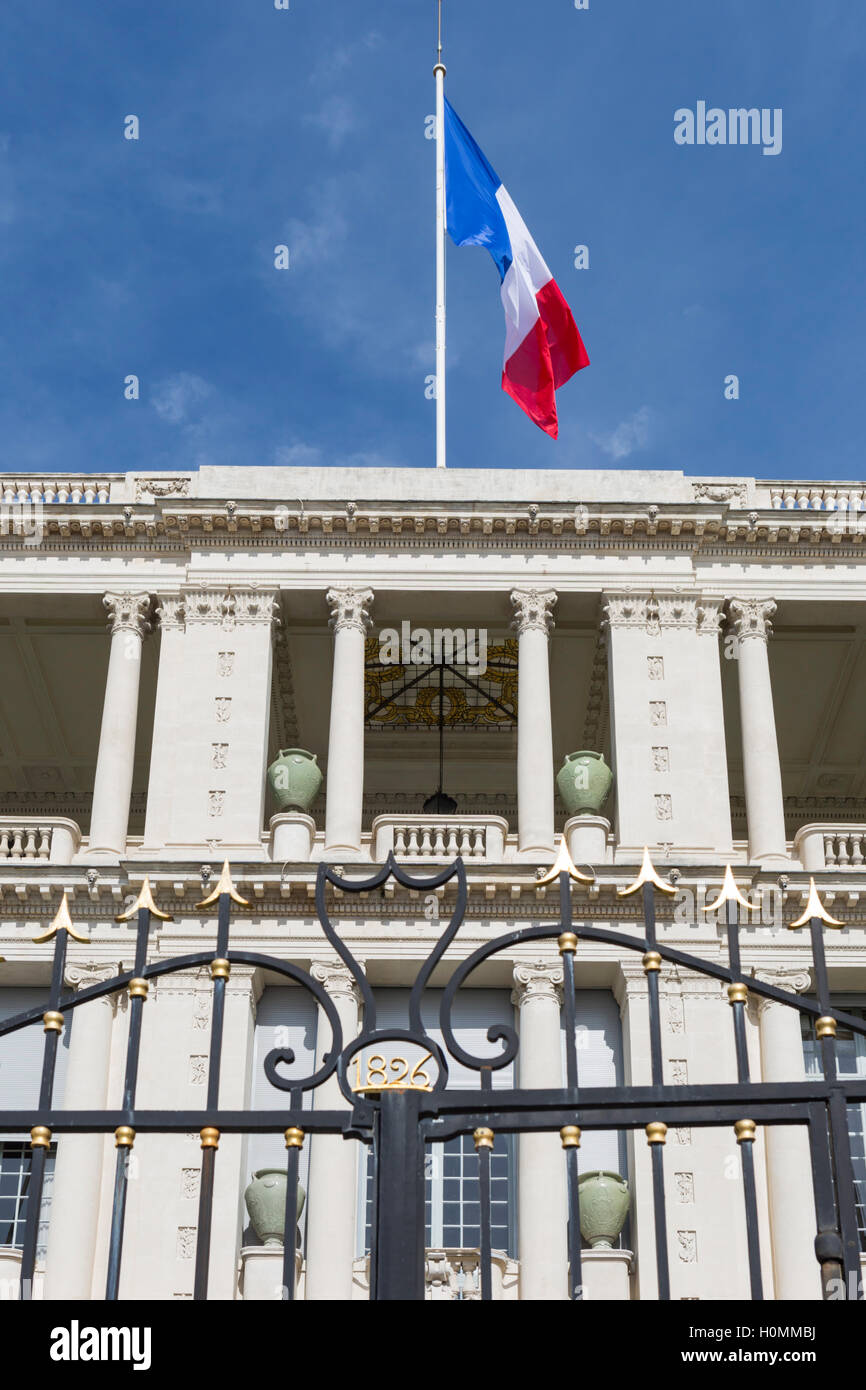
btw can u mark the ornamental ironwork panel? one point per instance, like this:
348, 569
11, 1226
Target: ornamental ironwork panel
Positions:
398, 1104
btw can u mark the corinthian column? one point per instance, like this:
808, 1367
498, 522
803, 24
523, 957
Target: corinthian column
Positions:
762, 776
345, 788
533, 619
332, 1201
789, 1169
542, 1213
112, 787
78, 1174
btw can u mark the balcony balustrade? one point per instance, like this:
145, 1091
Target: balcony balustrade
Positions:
46, 840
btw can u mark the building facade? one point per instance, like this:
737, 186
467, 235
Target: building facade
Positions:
447, 640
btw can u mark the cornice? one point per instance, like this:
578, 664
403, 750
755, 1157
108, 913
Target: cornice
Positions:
712, 529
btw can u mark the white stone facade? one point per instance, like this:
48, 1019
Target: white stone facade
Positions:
705, 634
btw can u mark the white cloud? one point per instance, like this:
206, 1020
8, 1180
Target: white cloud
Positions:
177, 397
629, 435
300, 455
337, 118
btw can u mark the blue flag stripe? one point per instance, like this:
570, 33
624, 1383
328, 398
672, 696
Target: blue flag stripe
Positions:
474, 216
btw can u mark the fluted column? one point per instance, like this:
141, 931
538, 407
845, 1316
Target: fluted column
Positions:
533, 620
78, 1174
762, 775
789, 1171
332, 1201
345, 788
542, 1213
112, 787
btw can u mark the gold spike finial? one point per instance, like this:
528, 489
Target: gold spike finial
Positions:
64, 920
728, 893
814, 908
564, 864
647, 875
144, 900
224, 885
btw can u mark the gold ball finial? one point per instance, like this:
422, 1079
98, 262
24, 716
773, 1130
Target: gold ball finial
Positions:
656, 1132
570, 1136
483, 1138
745, 1131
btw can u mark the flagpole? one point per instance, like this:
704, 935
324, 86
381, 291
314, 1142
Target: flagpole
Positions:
439, 74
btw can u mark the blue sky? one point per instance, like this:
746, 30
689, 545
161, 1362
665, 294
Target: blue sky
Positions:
306, 127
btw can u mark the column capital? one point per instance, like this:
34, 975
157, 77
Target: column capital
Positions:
653, 612
710, 617
751, 617
533, 610
796, 979
84, 974
171, 611
224, 607
337, 978
349, 609
539, 980
128, 612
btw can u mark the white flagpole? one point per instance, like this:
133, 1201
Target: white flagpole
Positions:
439, 74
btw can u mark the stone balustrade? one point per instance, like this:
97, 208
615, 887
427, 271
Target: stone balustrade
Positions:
85, 487
822, 846
817, 497
46, 840
439, 837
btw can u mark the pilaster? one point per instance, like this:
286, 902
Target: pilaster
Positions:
211, 721
667, 725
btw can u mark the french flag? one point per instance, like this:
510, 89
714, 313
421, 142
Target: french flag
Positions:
542, 345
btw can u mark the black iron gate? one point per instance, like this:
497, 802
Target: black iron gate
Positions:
398, 1116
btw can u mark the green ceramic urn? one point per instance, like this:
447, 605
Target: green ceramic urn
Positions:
295, 778
266, 1203
584, 782
604, 1202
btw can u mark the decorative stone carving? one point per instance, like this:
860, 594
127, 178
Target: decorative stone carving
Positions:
84, 974
533, 609
751, 617
171, 612
253, 606
658, 713
679, 1071
656, 613
664, 806
186, 1238
215, 803
735, 493
337, 978
685, 1186
349, 609
538, 981
223, 705
655, 668
146, 488
189, 1182
225, 663
710, 616
661, 759
198, 1071
128, 612
229, 607
219, 755
794, 979
687, 1246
